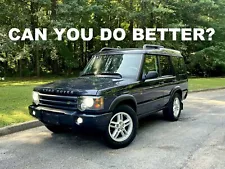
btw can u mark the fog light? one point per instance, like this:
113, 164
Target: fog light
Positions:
79, 120
34, 113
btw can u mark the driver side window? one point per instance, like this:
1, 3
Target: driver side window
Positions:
150, 64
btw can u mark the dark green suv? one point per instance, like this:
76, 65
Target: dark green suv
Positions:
116, 88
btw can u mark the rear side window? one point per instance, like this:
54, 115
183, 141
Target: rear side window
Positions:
165, 65
179, 65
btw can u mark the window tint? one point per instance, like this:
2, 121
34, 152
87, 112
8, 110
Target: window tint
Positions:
150, 64
165, 65
179, 65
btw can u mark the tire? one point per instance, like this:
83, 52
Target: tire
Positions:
55, 129
122, 127
173, 110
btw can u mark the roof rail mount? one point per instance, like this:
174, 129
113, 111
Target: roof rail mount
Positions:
149, 46
108, 48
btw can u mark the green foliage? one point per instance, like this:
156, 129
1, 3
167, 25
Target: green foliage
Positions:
209, 61
44, 57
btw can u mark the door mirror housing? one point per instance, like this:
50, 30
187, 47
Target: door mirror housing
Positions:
151, 75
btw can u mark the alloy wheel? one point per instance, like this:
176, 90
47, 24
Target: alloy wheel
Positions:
120, 126
176, 106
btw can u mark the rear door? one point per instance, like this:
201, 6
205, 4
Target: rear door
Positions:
167, 75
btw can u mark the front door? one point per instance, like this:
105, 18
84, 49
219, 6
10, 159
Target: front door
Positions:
150, 99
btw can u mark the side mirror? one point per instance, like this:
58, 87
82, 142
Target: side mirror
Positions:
151, 75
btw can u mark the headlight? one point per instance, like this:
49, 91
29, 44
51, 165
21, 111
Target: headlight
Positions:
90, 103
35, 97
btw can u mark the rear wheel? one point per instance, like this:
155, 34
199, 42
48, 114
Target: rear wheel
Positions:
173, 110
55, 129
122, 127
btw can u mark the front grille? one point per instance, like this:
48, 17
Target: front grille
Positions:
58, 101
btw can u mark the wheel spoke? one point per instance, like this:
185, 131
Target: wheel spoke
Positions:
126, 122
112, 125
113, 122
121, 117
118, 117
124, 131
116, 133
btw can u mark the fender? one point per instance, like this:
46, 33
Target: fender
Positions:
121, 98
174, 90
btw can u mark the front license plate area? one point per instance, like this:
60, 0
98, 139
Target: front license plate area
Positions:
50, 118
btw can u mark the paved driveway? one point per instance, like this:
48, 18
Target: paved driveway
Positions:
196, 141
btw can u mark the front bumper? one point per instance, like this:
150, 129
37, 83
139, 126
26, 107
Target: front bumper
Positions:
68, 119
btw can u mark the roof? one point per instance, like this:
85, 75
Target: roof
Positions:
150, 49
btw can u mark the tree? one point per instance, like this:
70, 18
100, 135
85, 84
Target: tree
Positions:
29, 58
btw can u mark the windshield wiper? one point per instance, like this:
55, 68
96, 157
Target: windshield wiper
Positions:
103, 73
87, 74
111, 73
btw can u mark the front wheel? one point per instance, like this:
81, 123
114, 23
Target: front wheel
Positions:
122, 127
173, 110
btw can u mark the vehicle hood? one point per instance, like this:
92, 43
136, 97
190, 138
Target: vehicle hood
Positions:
81, 85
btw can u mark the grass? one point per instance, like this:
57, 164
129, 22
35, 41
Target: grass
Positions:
14, 101
26, 81
205, 83
15, 96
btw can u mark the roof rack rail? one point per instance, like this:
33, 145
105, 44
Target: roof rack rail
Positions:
108, 48
149, 46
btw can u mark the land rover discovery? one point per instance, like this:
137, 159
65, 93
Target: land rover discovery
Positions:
115, 89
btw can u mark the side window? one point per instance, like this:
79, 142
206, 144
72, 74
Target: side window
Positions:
179, 65
165, 65
150, 64
182, 66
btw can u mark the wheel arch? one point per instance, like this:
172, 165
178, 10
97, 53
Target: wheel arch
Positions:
176, 89
124, 99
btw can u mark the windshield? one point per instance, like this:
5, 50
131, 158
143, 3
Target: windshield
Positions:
124, 65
